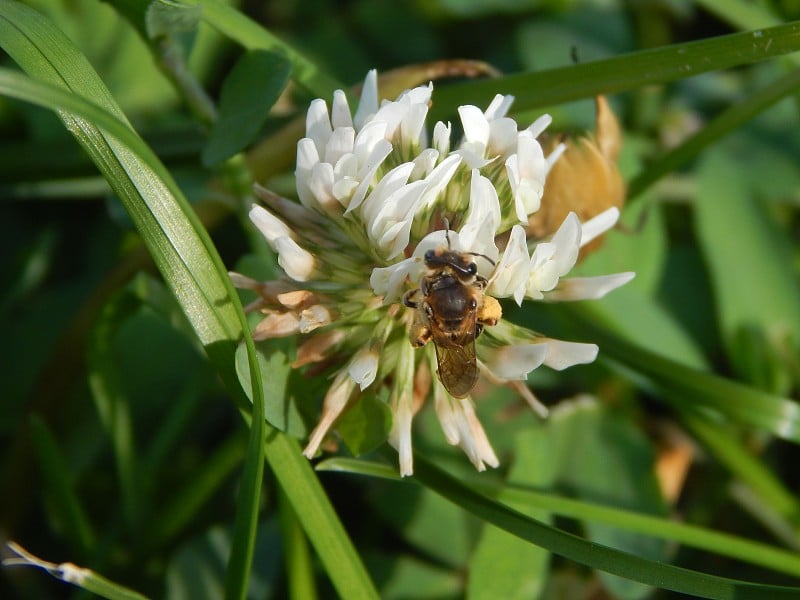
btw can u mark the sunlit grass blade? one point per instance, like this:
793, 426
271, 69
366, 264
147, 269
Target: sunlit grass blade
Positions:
743, 14
243, 30
587, 553
69, 573
738, 114
181, 249
771, 557
292, 469
623, 73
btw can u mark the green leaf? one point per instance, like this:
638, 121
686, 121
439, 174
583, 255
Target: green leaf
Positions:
365, 425
622, 73
248, 93
426, 521
750, 261
281, 405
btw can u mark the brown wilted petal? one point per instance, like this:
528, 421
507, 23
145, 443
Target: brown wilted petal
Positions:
268, 290
297, 299
313, 317
316, 348
584, 180
277, 325
422, 385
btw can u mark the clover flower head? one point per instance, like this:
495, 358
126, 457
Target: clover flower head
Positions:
386, 222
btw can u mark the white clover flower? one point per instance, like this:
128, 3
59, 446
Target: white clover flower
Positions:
391, 233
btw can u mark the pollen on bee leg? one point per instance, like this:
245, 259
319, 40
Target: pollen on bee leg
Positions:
490, 312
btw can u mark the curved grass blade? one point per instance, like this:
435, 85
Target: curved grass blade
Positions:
733, 117
688, 387
69, 573
757, 553
180, 247
283, 453
622, 73
587, 553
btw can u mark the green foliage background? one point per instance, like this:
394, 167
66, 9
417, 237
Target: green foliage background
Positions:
127, 445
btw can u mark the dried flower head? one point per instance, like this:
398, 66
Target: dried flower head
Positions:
400, 239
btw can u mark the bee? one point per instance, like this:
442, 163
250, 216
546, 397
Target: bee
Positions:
452, 311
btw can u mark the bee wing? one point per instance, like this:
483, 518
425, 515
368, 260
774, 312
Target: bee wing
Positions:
458, 369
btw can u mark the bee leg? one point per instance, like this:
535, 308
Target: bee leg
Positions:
490, 311
408, 298
419, 334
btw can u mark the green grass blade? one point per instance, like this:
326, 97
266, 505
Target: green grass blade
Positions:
777, 559
299, 564
623, 73
742, 14
181, 249
292, 469
735, 116
69, 573
243, 544
587, 553
688, 387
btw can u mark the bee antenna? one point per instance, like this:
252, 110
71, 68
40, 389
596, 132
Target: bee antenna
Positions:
482, 256
447, 231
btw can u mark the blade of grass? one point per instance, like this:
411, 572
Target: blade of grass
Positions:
237, 575
283, 453
757, 553
180, 247
744, 15
685, 386
587, 553
299, 566
732, 118
69, 573
623, 73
